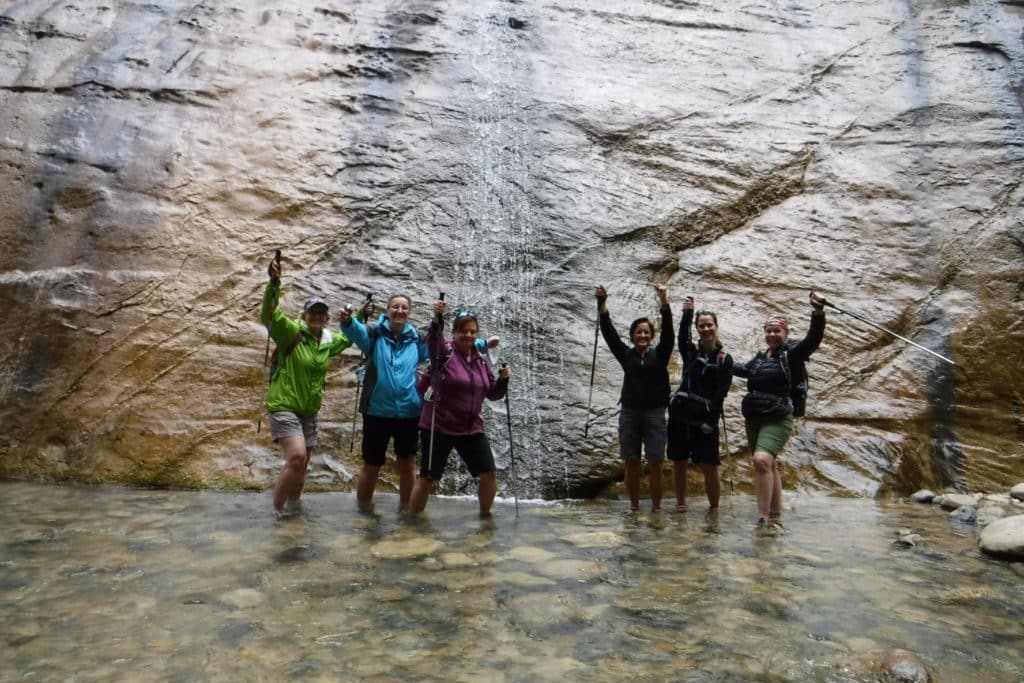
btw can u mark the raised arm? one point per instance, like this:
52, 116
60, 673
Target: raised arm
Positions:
618, 348
355, 330
686, 334
500, 386
666, 340
809, 344
280, 328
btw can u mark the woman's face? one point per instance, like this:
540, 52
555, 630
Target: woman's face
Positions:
642, 337
465, 336
707, 329
316, 319
398, 310
775, 336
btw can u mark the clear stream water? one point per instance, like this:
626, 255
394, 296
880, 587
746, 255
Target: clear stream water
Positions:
137, 585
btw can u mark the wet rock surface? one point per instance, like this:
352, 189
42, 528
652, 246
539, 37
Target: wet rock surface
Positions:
155, 155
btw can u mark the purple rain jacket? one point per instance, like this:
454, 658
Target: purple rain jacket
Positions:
459, 387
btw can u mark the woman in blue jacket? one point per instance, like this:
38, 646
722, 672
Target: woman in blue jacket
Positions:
390, 404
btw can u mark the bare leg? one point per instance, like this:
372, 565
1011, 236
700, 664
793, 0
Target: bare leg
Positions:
775, 508
679, 481
418, 497
712, 484
292, 476
763, 482
633, 483
654, 481
406, 480
488, 489
302, 485
367, 483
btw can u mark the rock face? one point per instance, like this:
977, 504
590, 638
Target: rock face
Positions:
154, 155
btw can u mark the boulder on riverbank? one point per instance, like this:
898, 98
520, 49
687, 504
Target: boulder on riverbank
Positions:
1004, 538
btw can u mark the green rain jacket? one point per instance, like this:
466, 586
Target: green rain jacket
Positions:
298, 385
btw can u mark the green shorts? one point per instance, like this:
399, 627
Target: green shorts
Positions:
768, 435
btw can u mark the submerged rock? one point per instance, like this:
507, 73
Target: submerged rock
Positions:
967, 514
907, 540
405, 549
243, 598
990, 513
1004, 538
902, 666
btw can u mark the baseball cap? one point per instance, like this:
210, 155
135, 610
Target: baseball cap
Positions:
313, 302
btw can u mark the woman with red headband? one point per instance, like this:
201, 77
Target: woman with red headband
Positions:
774, 377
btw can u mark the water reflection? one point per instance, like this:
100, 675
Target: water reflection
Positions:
129, 585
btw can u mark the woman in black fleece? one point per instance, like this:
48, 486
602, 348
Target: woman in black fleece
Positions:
696, 407
768, 408
645, 391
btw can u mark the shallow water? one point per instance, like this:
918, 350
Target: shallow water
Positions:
116, 584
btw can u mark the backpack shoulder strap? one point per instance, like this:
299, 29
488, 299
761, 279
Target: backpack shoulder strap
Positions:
784, 361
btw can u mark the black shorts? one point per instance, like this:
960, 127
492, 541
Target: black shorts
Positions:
377, 431
687, 442
474, 449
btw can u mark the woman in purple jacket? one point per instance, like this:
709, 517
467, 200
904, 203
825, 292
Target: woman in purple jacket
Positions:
459, 380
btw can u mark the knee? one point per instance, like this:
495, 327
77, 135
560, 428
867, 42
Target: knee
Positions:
763, 462
296, 460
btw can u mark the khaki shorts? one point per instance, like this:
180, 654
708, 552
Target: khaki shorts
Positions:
770, 435
284, 423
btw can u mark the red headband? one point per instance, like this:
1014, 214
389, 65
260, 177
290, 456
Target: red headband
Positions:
777, 320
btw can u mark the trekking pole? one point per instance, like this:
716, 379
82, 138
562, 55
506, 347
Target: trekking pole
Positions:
725, 433
887, 331
511, 450
360, 373
266, 352
435, 368
593, 366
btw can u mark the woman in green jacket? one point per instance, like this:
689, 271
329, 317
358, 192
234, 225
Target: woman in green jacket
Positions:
298, 373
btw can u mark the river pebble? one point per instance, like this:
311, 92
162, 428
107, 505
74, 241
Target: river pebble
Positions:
1017, 492
952, 501
923, 496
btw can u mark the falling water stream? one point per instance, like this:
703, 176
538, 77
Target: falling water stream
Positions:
133, 585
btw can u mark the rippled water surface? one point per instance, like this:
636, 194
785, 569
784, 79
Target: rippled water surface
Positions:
114, 584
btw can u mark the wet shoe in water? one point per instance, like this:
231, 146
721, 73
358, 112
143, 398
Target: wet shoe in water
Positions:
291, 508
